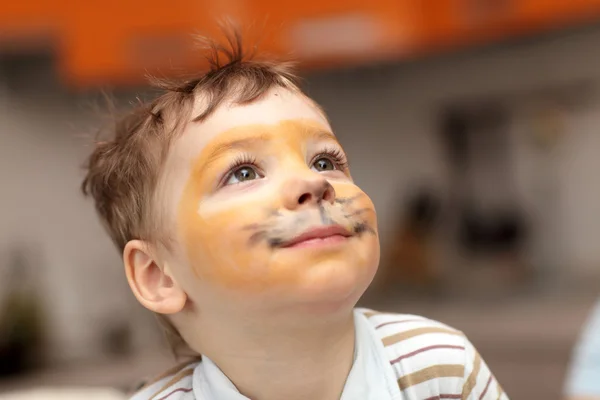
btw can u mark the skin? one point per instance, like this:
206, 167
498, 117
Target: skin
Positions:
262, 311
237, 227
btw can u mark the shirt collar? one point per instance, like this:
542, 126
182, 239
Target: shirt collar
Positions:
370, 378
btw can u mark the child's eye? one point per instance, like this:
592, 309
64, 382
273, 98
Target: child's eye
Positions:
242, 174
324, 164
330, 159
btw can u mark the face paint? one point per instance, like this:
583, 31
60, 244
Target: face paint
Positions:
232, 234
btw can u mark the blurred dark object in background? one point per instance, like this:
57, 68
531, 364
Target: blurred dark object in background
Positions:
411, 258
486, 221
493, 232
21, 318
117, 339
422, 210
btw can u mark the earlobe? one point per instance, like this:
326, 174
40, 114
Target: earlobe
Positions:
152, 283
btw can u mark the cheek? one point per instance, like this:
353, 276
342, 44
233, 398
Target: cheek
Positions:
362, 209
207, 240
361, 202
217, 237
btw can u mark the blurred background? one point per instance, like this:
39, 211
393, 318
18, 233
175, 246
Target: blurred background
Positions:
472, 124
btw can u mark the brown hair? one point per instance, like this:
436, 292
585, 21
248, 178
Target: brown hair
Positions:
123, 172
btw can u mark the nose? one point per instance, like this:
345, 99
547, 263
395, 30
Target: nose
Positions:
306, 192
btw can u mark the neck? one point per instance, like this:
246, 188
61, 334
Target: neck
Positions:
272, 361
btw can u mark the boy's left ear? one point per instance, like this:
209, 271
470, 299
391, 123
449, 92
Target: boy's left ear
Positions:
152, 283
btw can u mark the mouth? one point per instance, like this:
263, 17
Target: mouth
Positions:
322, 236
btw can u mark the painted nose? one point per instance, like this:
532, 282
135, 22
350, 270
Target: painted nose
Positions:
307, 192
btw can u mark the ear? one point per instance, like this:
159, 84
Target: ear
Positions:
152, 283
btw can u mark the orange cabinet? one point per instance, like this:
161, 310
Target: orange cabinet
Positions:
116, 41
119, 41
462, 22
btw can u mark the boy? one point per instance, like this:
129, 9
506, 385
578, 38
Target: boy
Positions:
240, 225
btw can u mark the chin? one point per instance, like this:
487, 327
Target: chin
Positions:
334, 286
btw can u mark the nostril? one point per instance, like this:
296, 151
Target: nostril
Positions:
329, 196
304, 198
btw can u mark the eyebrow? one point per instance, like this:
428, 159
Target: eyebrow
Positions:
320, 134
223, 148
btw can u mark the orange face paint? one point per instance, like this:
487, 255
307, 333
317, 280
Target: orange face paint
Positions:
231, 233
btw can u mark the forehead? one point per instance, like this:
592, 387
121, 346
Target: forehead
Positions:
276, 105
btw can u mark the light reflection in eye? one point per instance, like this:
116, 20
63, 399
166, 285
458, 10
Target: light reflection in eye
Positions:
324, 164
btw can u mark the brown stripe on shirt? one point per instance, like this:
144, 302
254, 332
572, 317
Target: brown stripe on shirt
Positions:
472, 379
424, 349
370, 313
416, 332
183, 390
173, 381
433, 372
487, 386
400, 322
169, 372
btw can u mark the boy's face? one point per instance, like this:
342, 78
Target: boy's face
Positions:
266, 212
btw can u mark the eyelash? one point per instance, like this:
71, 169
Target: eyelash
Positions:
334, 154
242, 160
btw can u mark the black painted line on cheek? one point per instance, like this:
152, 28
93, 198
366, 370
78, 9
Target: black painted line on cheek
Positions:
357, 212
271, 241
263, 230
347, 200
275, 242
362, 228
258, 237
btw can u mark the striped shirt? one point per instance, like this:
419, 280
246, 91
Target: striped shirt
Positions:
397, 357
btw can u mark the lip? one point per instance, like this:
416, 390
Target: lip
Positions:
330, 234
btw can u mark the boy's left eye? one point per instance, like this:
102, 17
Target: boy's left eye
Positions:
324, 164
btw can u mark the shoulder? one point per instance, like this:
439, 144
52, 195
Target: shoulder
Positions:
431, 357
174, 384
